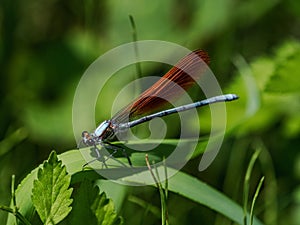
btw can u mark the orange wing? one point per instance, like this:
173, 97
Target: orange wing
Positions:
184, 74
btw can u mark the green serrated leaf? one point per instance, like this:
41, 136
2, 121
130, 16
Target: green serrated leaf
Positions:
105, 212
50, 194
72, 160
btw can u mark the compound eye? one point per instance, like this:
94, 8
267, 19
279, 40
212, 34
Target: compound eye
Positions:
85, 134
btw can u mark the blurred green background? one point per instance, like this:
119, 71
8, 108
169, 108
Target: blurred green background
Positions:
46, 45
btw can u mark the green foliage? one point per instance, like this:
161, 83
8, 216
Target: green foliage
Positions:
103, 209
89, 206
84, 197
285, 79
92, 207
51, 195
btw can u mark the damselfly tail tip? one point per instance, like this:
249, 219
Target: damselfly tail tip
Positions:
231, 97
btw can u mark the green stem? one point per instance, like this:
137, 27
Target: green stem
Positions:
254, 198
16, 214
247, 181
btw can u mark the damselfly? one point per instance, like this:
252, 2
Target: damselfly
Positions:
179, 78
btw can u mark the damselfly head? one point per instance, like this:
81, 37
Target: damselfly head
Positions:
87, 138
84, 133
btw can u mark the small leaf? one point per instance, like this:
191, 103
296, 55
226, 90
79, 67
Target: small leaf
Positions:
50, 194
105, 212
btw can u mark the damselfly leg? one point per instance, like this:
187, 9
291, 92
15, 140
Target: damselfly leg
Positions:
116, 148
102, 158
99, 157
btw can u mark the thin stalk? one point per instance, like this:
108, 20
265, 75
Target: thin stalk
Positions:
136, 51
18, 215
163, 200
254, 198
14, 210
247, 183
